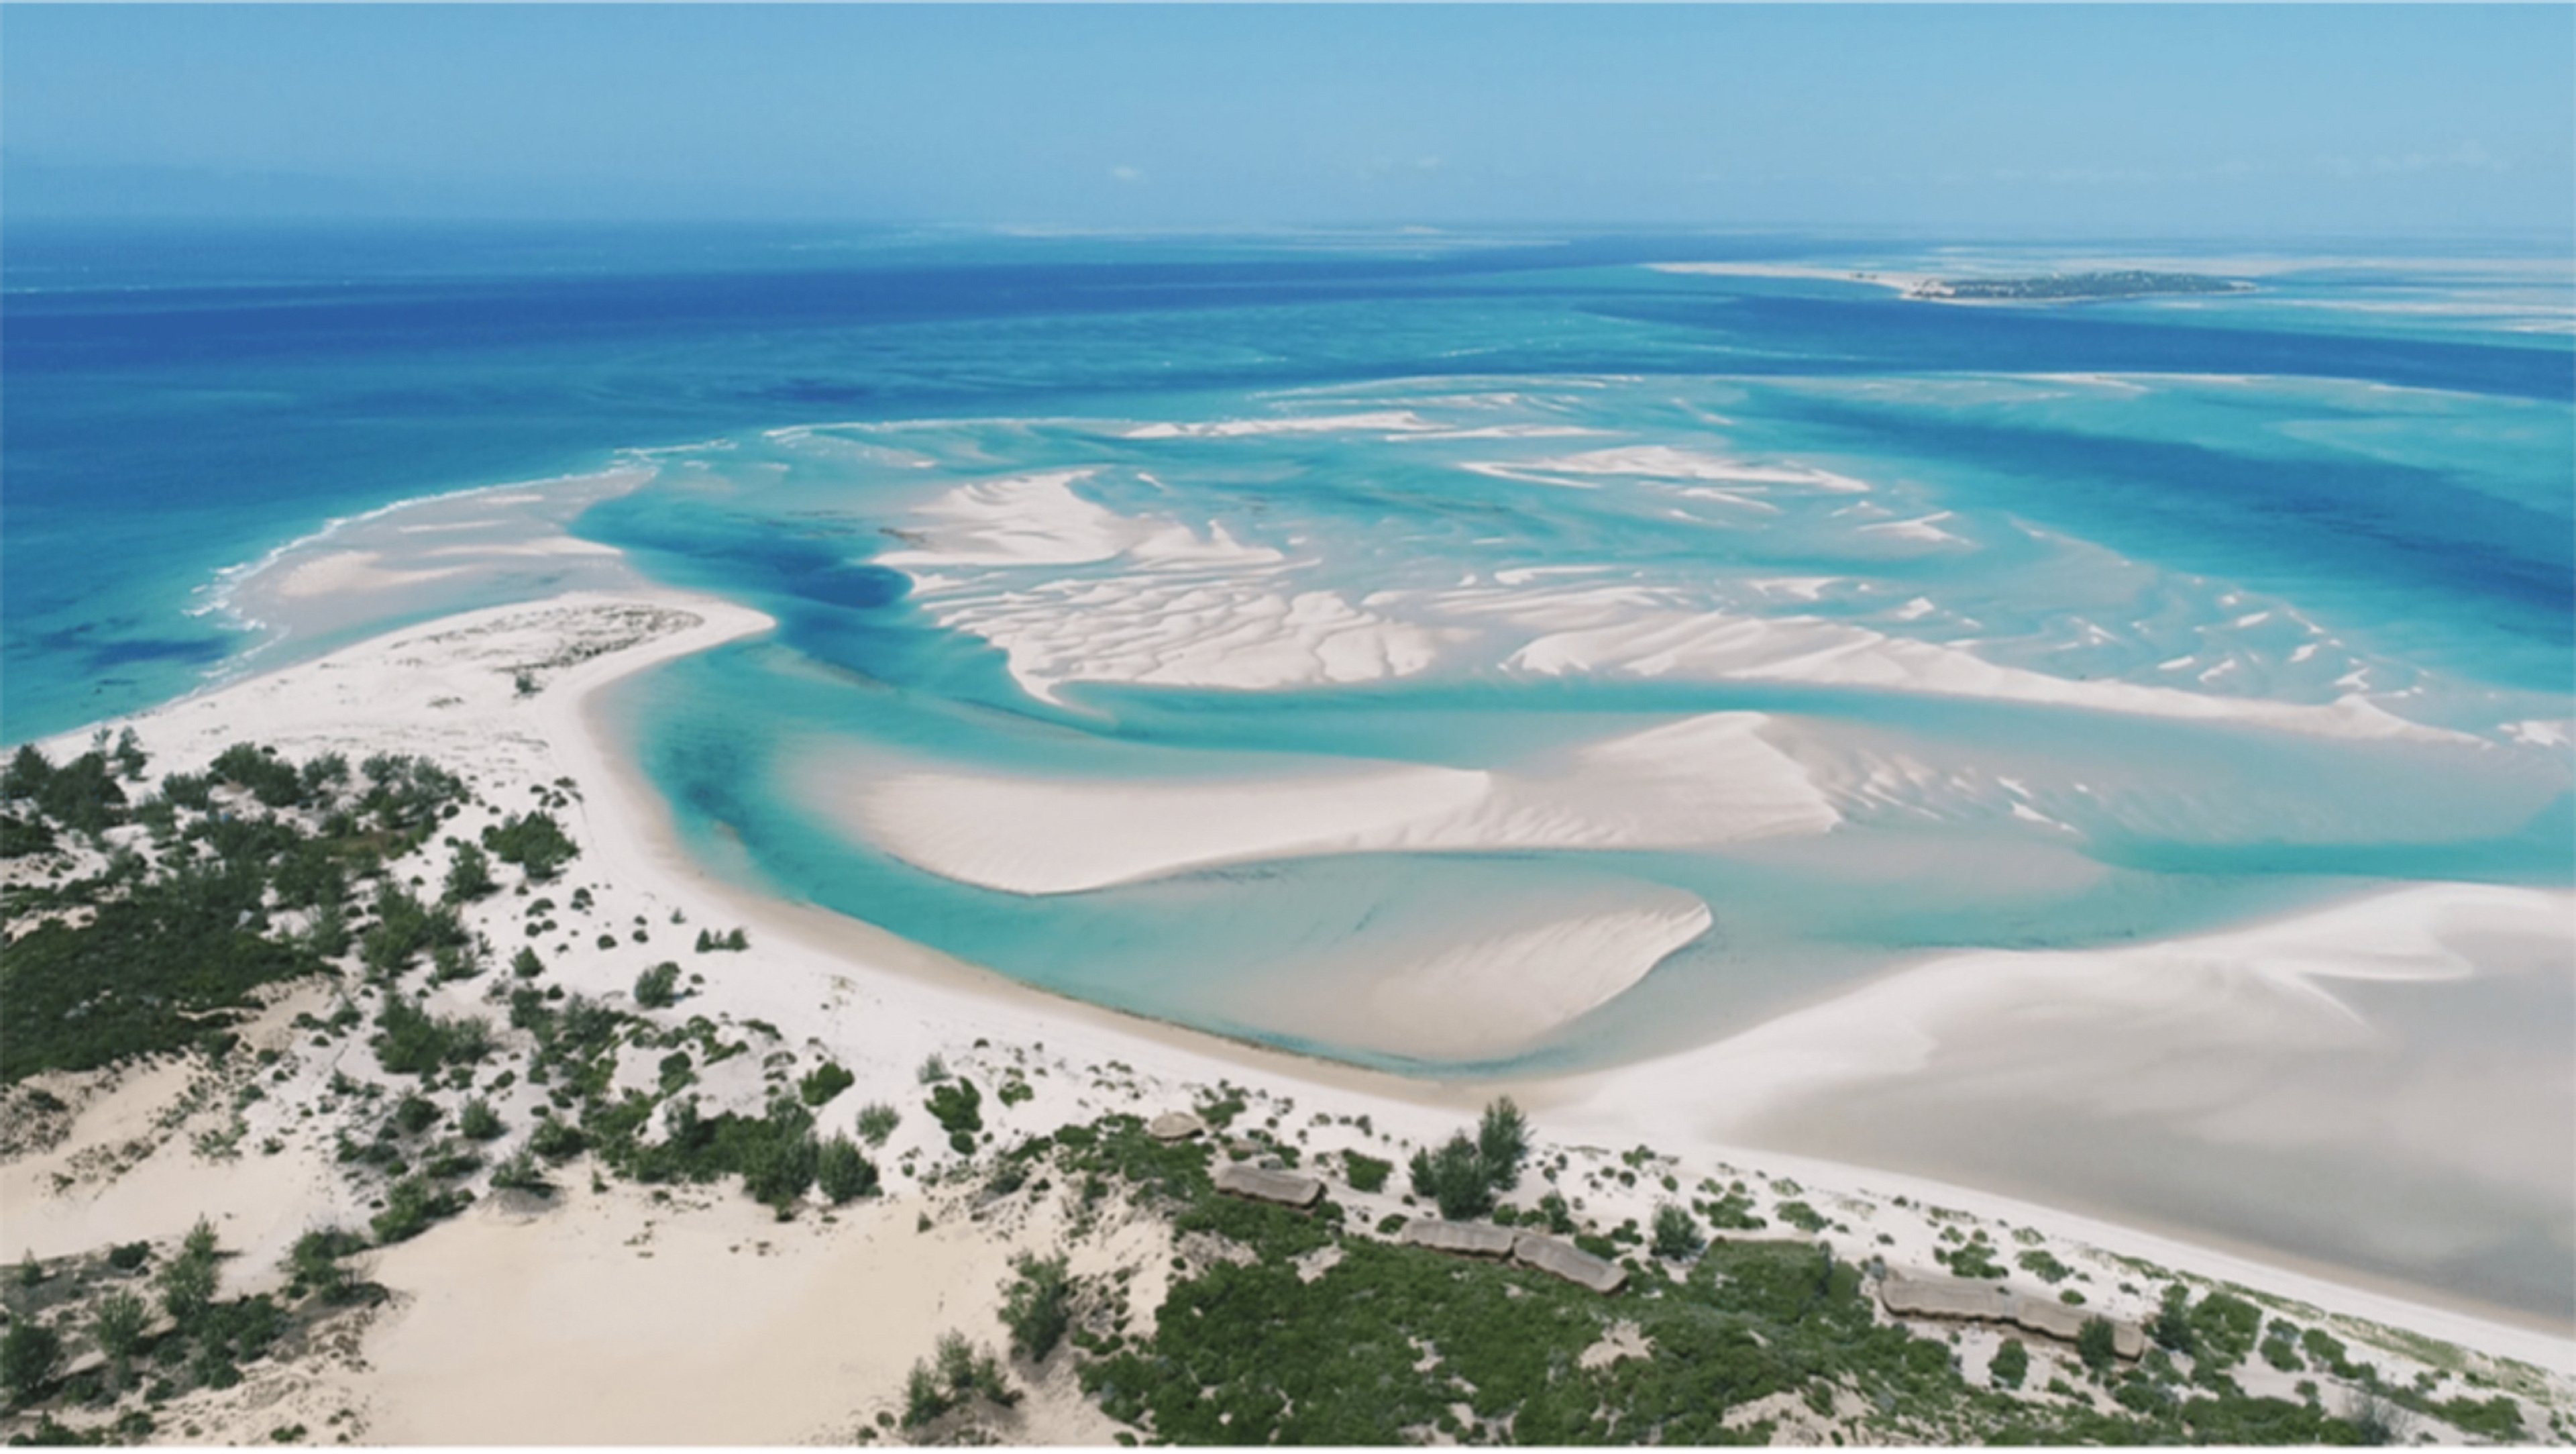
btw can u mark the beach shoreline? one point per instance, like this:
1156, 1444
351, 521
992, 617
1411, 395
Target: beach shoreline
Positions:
889, 1002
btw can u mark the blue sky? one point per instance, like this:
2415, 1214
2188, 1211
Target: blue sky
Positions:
1985, 120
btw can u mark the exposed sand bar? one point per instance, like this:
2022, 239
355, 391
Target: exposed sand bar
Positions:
1697, 782
2388, 1077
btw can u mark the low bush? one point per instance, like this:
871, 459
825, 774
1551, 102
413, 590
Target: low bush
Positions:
1037, 1305
842, 1172
823, 1082
877, 1122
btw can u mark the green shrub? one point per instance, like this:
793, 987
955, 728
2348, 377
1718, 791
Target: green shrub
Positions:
1502, 1140
520, 1172
415, 1114
957, 1374
152, 970
658, 988
1365, 1172
1677, 1236
2011, 1364
535, 842
958, 1108
2093, 1344
469, 875
30, 1355
525, 963
273, 782
1976, 1259
1454, 1178
556, 1140
824, 1082
1037, 1305
843, 1172
479, 1122
877, 1121
117, 1322
1802, 1216
2044, 1266
314, 1262
188, 1280
411, 1041
411, 1206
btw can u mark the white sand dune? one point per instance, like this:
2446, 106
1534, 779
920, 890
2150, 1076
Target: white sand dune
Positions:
1697, 782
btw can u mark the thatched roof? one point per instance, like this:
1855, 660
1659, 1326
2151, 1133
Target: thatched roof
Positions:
1565, 1260
1467, 1239
1286, 1188
1926, 1295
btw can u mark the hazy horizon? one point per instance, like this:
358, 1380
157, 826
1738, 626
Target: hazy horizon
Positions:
2044, 120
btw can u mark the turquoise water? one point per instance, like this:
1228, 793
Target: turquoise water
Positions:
2076, 625
1429, 512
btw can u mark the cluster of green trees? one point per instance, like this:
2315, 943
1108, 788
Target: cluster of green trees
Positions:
957, 1375
958, 1108
533, 841
1464, 1175
172, 1331
177, 932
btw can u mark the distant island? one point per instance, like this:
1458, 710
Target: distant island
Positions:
2064, 287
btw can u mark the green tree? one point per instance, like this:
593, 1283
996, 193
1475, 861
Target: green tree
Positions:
658, 988
188, 1280
1502, 1139
117, 1322
1365, 1172
1454, 1178
1677, 1234
535, 842
469, 874
2011, 1364
29, 1356
2094, 1345
843, 1172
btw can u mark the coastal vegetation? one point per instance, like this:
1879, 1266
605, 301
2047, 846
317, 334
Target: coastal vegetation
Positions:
1273, 1325
178, 910
2069, 287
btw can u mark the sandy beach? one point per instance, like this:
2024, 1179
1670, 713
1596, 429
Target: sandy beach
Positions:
880, 1005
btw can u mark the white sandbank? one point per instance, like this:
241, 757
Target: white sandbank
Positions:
1388, 421
2130, 1035
1696, 782
1620, 631
1167, 605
